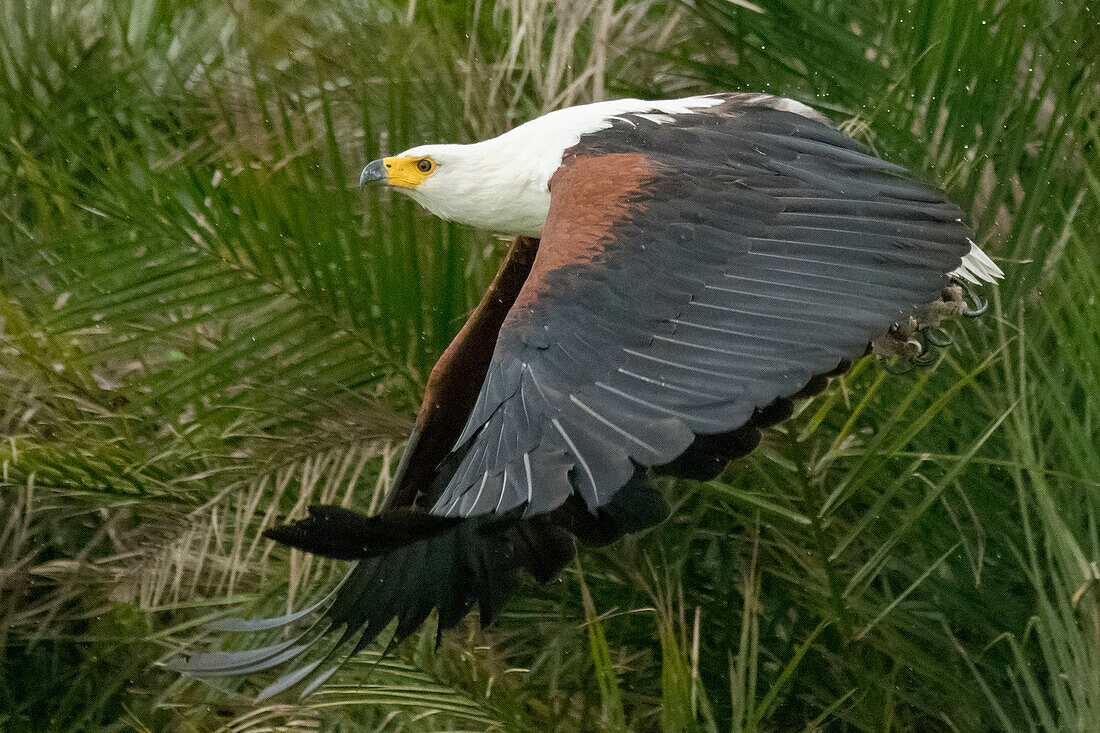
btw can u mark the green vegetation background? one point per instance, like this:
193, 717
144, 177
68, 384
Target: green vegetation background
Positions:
205, 326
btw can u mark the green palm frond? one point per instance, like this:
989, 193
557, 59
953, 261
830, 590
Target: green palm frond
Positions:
204, 327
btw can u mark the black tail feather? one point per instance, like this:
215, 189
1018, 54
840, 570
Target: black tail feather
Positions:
332, 531
411, 563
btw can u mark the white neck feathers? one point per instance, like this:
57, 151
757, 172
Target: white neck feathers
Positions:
502, 184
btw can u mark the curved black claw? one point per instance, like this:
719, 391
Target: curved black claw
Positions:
898, 365
925, 358
938, 337
920, 340
926, 352
980, 305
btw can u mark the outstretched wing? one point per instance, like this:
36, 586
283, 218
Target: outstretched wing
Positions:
692, 275
688, 276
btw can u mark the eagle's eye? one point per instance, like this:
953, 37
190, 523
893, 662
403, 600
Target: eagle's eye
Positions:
424, 165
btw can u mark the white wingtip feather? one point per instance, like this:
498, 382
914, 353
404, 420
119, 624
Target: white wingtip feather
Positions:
976, 267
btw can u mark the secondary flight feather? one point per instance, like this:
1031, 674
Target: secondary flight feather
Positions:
684, 271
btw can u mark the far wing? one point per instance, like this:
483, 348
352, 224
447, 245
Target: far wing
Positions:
688, 276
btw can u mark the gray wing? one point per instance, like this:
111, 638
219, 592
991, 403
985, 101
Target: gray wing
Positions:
751, 250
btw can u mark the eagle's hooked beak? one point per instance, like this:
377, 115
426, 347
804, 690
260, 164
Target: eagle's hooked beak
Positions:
375, 171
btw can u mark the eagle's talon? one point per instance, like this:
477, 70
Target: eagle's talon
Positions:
980, 307
928, 358
938, 337
898, 365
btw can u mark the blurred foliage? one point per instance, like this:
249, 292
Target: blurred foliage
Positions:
204, 326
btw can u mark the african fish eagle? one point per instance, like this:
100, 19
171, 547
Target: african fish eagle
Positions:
684, 270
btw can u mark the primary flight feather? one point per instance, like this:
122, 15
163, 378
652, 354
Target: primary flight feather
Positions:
684, 270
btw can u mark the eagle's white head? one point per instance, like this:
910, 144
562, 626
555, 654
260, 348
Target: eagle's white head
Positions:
494, 185
503, 184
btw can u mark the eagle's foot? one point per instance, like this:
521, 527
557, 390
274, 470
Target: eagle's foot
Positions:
915, 340
900, 346
960, 299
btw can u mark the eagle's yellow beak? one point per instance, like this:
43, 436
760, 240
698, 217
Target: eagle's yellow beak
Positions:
398, 171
